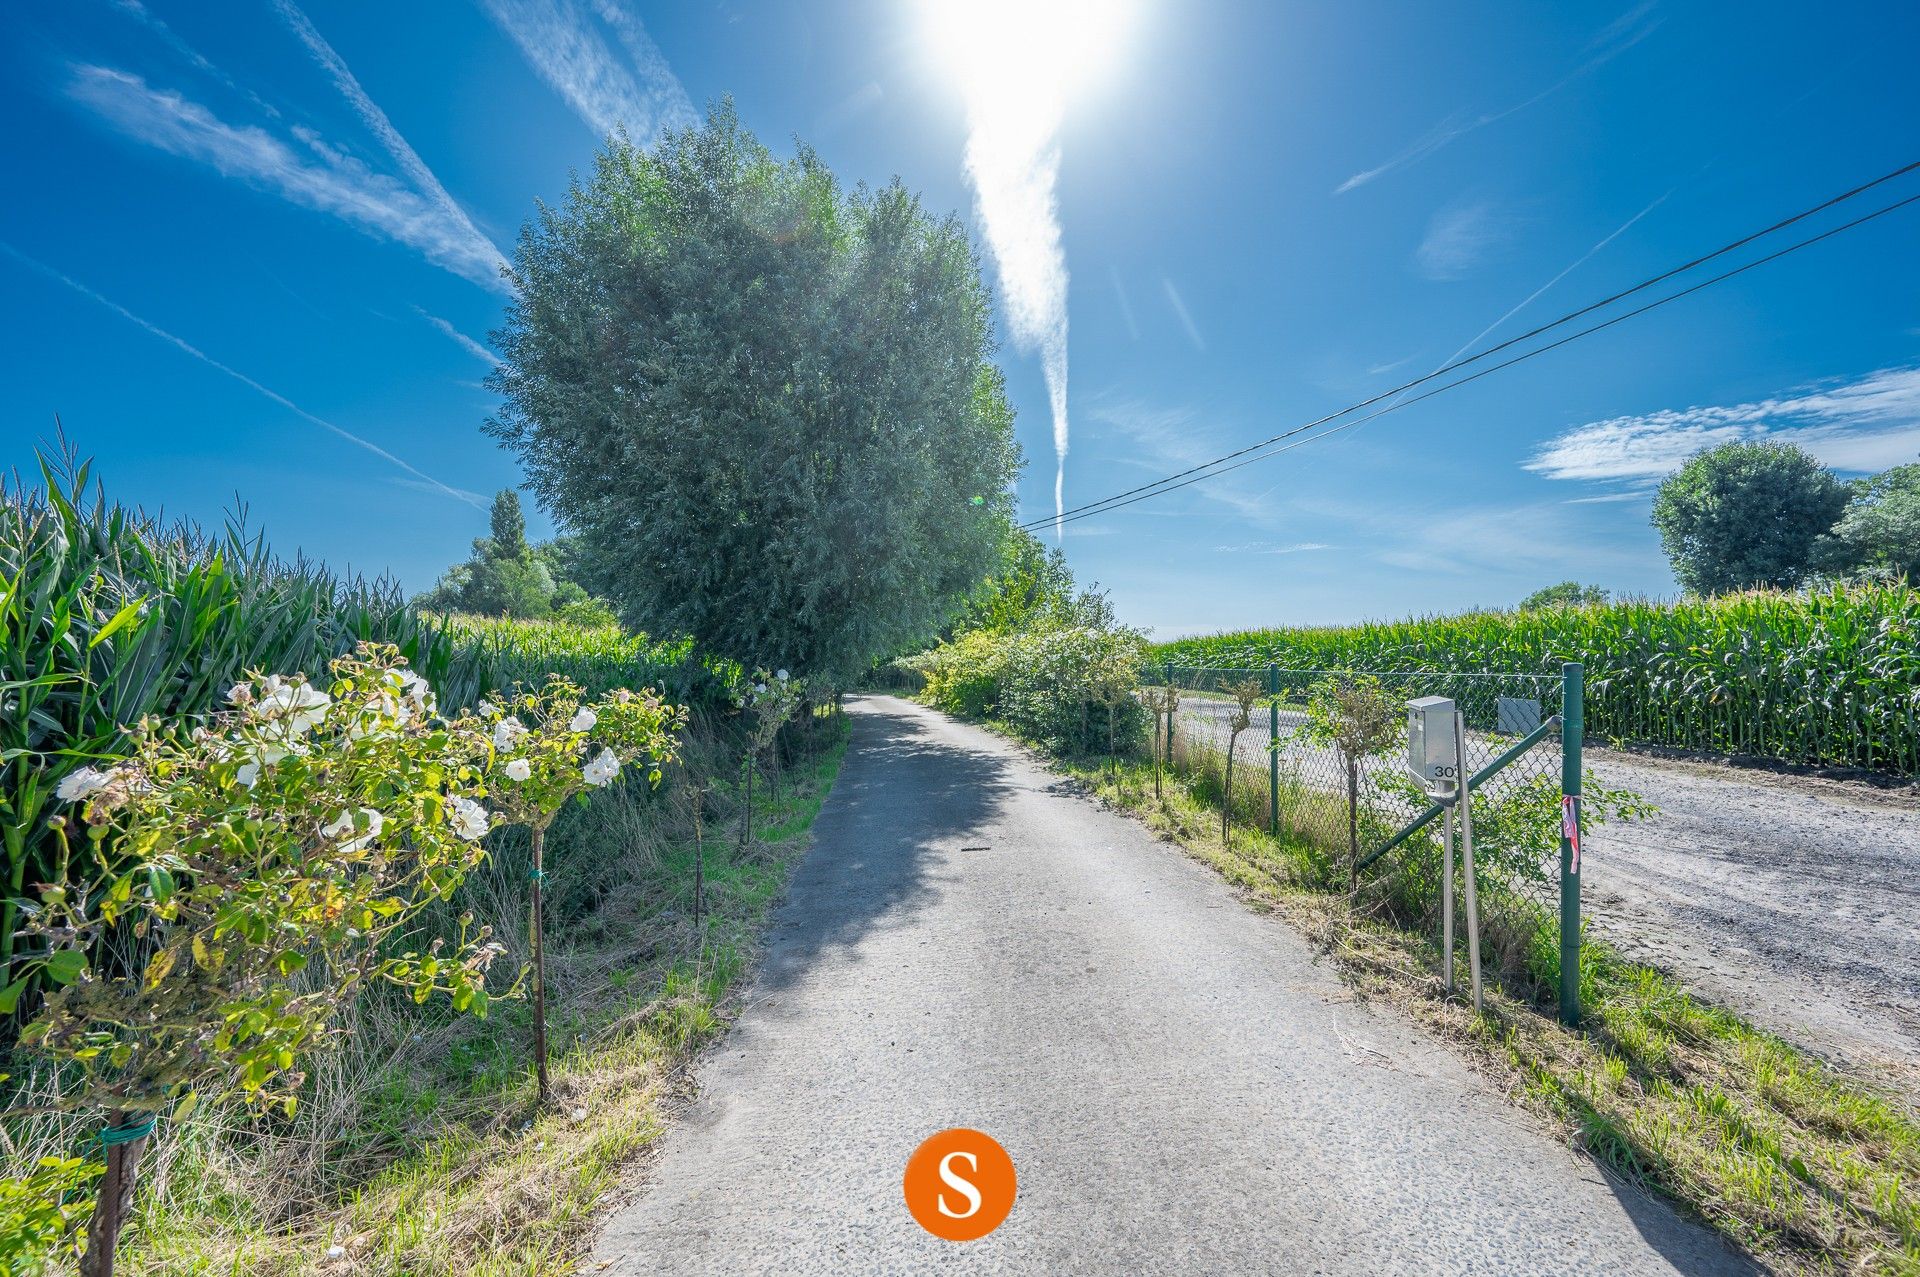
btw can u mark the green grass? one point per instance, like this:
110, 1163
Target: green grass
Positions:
1810, 1170
461, 1171
1826, 677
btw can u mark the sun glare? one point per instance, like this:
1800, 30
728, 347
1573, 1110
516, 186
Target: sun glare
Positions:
1026, 56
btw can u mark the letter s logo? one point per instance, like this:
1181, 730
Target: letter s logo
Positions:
959, 1184
964, 1187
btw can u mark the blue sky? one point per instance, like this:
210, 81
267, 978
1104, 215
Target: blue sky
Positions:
247, 252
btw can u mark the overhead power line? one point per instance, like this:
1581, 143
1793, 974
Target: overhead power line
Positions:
1207, 469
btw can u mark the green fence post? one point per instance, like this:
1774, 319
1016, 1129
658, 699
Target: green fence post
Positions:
1273, 750
1572, 727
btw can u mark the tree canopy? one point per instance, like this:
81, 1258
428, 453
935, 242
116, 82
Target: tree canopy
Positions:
1746, 514
763, 403
506, 576
1879, 531
1564, 594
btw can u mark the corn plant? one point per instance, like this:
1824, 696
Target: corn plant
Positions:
1830, 676
542, 748
295, 835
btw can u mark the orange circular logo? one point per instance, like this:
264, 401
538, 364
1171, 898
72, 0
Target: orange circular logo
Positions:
959, 1184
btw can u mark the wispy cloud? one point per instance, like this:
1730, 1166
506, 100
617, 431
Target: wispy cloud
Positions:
1625, 31
460, 339
188, 54
1269, 547
1865, 424
571, 52
1185, 317
1503, 538
1458, 237
33, 263
382, 129
323, 178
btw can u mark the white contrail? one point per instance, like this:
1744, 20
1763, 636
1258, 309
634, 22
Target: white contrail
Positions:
569, 52
465, 342
471, 498
1013, 161
376, 120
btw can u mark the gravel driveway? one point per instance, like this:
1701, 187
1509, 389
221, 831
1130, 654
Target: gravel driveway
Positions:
1182, 1089
1793, 900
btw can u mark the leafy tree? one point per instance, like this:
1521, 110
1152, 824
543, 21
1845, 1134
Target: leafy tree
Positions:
1565, 594
1746, 514
1031, 584
1354, 714
1879, 532
507, 576
1244, 694
762, 402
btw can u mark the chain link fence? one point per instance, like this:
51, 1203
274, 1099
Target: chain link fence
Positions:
1319, 761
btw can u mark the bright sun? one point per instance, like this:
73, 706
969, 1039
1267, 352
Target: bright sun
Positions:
1015, 58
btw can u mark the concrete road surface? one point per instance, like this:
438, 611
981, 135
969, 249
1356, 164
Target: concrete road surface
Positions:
1181, 1088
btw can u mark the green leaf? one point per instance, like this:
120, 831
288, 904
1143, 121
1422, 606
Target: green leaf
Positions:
10, 996
121, 619
66, 966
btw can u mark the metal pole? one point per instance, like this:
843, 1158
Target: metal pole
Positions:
1573, 722
1466, 856
1273, 750
1446, 900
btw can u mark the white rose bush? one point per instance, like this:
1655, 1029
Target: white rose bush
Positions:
766, 704
260, 872
546, 747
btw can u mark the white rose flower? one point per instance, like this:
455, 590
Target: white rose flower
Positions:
300, 706
348, 823
508, 732
487, 709
583, 720
601, 770
760, 688
519, 769
469, 819
240, 694
782, 676
415, 692
82, 784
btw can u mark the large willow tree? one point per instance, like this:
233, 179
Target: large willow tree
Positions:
762, 401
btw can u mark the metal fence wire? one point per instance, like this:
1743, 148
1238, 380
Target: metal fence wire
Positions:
1344, 828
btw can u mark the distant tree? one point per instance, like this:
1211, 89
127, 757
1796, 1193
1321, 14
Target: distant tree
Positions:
1746, 514
507, 576
1879, 531
763, 403
1030, 582
1565, 594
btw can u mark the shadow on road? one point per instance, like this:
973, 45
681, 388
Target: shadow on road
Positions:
874, 841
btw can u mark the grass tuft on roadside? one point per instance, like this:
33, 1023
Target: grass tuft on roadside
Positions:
1810, 1170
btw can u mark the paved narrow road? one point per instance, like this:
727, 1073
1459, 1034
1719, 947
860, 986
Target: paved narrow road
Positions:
1181, 1087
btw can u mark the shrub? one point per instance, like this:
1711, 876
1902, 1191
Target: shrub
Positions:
255, 875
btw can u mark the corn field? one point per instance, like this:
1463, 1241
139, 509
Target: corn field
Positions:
1830, 677
108, 616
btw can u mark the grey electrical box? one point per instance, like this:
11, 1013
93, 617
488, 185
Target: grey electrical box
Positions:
1431, 755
